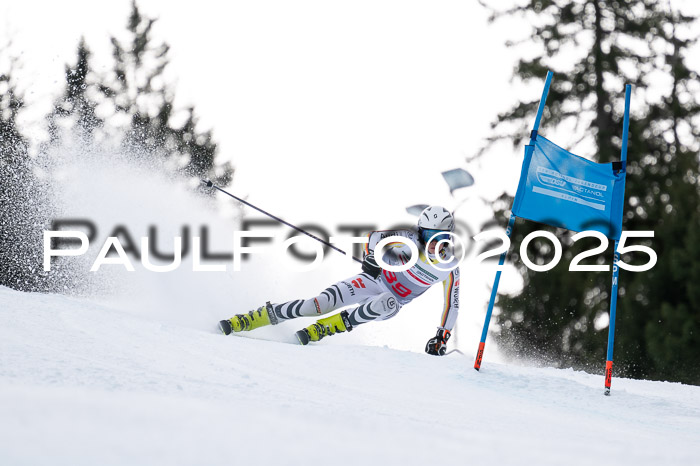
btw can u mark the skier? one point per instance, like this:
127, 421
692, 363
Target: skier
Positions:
377, 294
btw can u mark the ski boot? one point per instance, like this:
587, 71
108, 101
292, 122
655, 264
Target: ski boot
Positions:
336, 323
261, 317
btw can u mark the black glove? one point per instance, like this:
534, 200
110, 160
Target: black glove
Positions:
370, 266
438, 344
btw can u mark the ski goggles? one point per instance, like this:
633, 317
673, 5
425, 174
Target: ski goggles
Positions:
436, 235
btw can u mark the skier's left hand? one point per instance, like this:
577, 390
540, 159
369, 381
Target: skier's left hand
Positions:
370, 266
438, 344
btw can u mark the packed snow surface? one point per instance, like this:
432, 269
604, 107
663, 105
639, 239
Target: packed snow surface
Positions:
83, 383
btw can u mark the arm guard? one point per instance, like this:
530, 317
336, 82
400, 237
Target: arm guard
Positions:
451, 294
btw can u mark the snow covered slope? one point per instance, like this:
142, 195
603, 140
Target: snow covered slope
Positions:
83, 384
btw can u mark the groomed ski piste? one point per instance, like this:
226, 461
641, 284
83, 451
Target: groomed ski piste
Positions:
136, 373
83, 384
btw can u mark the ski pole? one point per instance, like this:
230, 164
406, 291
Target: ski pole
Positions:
212, 185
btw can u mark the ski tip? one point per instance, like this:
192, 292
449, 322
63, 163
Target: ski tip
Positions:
225, 327
303, 337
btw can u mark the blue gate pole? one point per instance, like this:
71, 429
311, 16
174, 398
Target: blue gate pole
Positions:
611, 328
540, 109
616, 260
511, 222
492, 300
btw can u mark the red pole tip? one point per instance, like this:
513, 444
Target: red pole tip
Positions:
479, 355
608, 374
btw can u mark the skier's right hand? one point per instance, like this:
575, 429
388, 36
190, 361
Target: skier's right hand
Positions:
370, 266
438, 344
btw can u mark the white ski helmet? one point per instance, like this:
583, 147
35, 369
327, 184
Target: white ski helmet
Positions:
436, 218
433, 220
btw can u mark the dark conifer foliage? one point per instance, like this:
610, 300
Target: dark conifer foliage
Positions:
73, 113
20, 251
560, 316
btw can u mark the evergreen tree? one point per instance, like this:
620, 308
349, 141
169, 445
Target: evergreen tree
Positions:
19, 262
74, 112
138, 90
560, 316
